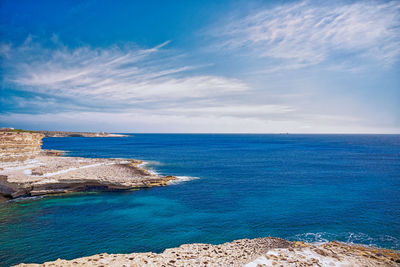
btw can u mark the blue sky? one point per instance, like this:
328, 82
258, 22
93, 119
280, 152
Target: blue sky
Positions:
201, 66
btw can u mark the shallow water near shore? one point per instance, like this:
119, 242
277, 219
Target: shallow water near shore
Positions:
314, 188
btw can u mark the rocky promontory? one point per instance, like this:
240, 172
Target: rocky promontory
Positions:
26, 170
257, 252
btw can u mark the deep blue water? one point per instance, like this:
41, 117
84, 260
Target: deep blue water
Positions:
299, 187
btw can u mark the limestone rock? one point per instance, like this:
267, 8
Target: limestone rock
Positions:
267, 251
19, 146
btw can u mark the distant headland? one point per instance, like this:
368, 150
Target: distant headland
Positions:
66, 134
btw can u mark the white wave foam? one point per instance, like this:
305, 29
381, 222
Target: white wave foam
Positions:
147, 166
182, 179
320, 237
372, 241
27, 198
150, 163
350, 238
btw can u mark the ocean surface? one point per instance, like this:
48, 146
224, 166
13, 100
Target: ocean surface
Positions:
300, 187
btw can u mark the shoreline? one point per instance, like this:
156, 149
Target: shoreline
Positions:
48, 173
268, 251
28, 170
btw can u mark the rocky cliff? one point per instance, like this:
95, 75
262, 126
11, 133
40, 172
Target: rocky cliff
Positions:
19, 146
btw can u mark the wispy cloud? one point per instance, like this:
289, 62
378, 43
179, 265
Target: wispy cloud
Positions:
182, 87
306, 33
121, 82
116, 74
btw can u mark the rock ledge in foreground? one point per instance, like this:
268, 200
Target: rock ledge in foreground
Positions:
256, 252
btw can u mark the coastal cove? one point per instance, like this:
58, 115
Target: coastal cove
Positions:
313, 188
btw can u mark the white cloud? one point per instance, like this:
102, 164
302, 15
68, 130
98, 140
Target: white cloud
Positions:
116, 74
79, 85
306, 33
129, 89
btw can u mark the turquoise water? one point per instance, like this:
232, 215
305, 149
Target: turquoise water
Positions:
299, 187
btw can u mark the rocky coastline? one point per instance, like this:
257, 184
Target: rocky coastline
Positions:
27, 170
257, 252
50, 174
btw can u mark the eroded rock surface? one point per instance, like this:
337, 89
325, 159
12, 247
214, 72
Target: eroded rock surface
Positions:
26, 170
19, 146
235, 253
327, 255
257, 252
48, 174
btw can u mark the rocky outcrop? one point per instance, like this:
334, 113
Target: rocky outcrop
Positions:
257, 252
328, 254
235, 253
50, 174
26, 170
19, 146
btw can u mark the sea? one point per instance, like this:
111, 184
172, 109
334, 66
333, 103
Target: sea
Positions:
314, 188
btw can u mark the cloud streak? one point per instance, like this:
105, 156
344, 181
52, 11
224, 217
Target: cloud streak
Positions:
303, 34
116, 74
300, 66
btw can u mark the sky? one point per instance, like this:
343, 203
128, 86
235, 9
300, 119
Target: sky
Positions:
200, 66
